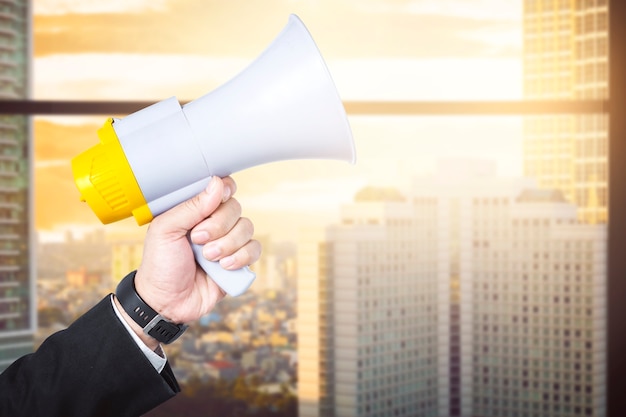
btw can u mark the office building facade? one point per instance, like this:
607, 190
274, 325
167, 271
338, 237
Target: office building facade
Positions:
478, 296
367, 308
566, 57
521, 297
17, 287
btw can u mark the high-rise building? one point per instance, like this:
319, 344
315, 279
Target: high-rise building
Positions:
478, 296
447, 200
521, 297
17, 286
126, 255
367, 313
566, 57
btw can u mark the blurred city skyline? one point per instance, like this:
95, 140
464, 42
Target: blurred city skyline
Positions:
431, 277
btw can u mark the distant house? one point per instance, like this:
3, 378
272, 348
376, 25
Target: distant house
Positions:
80, 278
225, 370
249, 360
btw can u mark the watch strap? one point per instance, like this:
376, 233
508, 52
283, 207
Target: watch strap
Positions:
152, 323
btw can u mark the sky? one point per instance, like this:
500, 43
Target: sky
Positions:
375, 50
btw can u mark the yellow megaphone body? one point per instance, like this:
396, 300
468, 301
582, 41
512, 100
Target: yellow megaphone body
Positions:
283, 106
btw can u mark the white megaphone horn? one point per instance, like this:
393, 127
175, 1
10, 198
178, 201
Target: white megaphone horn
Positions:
283, 106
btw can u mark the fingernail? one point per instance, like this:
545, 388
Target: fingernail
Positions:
227, 262
199, 236
226, 194
212, 184
211, 252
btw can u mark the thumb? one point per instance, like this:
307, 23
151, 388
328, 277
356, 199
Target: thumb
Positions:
186, 215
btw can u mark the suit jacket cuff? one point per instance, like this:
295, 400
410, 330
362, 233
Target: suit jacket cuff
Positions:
92, 368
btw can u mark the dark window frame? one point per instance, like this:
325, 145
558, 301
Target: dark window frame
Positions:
616, 261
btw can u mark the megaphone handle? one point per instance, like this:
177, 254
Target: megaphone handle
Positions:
233, 282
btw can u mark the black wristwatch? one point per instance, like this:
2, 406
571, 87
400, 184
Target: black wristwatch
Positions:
151, 322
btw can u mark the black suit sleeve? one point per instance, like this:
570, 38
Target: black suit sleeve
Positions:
92, 368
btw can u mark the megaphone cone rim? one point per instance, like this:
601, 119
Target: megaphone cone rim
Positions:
293, 18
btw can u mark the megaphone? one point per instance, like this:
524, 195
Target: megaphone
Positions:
282, 106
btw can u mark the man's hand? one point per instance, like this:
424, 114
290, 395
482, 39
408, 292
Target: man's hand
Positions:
169, 280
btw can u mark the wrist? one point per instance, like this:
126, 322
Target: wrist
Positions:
150, 322
150, 294
148, 340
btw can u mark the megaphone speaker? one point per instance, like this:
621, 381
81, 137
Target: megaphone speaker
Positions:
283, 106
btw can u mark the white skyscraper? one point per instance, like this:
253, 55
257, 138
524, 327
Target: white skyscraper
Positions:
367, 326
521, 297
478, 296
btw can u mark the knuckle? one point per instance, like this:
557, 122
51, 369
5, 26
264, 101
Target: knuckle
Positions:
220, 228
254, 250
235, 206
247, 225
192, 204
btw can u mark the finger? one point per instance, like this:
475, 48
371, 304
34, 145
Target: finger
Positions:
221, 221
239, 235
244, 256
230, 188
189, 213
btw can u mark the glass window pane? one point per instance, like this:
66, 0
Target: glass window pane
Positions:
453, 240
457, 269
376, 50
